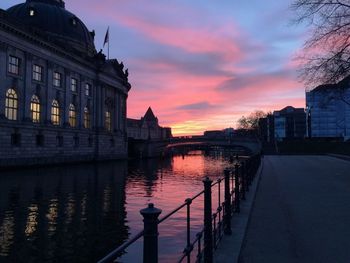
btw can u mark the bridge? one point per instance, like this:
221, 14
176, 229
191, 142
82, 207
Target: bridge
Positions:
152, 148
247, 144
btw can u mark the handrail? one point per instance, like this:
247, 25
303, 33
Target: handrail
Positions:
119, 250
236, 182
180, 207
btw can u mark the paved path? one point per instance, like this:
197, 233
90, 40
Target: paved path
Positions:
301, 212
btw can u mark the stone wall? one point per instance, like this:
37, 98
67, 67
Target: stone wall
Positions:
23, 142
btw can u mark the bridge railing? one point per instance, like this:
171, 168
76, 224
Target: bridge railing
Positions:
231, 190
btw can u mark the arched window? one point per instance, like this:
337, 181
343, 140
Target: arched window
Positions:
11, 105
72, 116
87, 118
108, 121
55, 113
35, 109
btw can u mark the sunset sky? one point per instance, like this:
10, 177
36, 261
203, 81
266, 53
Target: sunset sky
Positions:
200, 64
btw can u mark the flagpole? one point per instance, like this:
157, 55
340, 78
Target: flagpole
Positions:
106, 41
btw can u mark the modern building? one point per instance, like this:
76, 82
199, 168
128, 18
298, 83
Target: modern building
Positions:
289, 123
147, 128
60, 99
328, 110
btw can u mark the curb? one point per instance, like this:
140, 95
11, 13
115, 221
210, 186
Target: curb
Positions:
340, 156
229, 248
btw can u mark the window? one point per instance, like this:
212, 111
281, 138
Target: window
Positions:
87, 89
74, 21
72, 116
108, 121
16, 139
87, 119
11, 105
37, 73
31, 12
55, 113
90, 141
76, 141
35, 109
112, 141
74, 85
57, 79
59, 140
40, 140
14, 65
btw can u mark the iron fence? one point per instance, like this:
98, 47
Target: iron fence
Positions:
236, 180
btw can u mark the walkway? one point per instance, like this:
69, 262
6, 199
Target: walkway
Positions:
301, 212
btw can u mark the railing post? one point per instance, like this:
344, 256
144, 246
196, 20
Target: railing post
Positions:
150, 237
249, 169
208, 227
246, 175
237, 190
227, 219
243, 181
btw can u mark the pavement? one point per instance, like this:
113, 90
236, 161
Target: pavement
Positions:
299, 213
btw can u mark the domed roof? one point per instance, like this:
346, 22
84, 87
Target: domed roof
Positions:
51, 17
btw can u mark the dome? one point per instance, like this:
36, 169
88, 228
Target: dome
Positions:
59, 25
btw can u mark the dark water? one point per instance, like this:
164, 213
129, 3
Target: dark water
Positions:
78, 213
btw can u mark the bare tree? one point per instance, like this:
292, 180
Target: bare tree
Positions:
326, 56
252, 121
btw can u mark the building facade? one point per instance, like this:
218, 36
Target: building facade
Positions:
60, 100
328, 111
289, 123
147, 128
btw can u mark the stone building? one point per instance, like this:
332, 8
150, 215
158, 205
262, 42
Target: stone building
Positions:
60, 100
147, 128
328, 110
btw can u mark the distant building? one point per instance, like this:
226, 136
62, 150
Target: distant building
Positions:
214, 134
328, 110
263, 131
289, 123
60, 100
147, 128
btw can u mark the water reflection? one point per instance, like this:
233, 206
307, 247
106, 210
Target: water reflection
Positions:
62, 214
79, 213
6, 233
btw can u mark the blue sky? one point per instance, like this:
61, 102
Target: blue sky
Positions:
200, 64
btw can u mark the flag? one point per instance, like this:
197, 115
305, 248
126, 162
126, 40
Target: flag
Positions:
106, 38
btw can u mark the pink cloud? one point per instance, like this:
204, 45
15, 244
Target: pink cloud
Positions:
170, 85
194, 40
265, 92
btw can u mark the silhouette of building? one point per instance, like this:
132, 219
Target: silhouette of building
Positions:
147, 128
287, 123
214, 134
328, 110
60, 100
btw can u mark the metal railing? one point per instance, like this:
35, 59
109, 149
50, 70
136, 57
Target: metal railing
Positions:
236, 180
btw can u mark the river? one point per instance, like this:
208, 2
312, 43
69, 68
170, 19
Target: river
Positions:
79, 213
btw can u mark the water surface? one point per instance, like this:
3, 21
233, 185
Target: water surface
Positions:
78, 213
